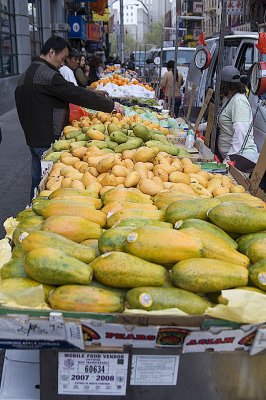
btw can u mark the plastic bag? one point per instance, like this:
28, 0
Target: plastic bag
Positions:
75, 112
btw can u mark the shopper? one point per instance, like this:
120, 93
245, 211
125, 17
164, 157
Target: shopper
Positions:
131, 62
235, 120
71, 65
167, 85
42, 99
82, 73
94, 65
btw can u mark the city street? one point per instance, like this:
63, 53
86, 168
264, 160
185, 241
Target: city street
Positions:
14, 167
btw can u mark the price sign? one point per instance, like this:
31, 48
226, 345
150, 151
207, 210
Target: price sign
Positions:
92, 373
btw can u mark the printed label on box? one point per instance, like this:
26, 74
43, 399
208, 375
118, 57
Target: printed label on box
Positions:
92, 373
227, 340
154, 370
118, 335
171, 336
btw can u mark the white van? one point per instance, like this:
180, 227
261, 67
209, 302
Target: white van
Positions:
184, 57
239, 51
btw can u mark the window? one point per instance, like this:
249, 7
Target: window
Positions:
35, 28
8, 48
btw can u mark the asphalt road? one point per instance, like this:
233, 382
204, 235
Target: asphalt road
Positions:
15, 175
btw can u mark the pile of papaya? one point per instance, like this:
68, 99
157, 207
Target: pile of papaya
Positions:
114, 248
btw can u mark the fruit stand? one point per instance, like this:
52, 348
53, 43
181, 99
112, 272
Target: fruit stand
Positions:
139, 270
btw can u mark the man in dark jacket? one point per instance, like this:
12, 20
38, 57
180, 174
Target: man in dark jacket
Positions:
42, 99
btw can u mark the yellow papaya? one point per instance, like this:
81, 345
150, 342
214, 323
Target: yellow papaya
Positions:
162, 245
83, 298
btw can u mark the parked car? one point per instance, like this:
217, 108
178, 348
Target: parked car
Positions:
239, 51
184, 57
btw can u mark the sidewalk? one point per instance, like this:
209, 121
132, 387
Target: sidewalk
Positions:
15, 174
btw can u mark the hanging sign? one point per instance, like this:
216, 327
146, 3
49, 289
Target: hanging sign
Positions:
77, 27
234, 7
94, 32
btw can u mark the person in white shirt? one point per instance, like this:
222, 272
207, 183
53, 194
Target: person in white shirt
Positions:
71, 65
235, 120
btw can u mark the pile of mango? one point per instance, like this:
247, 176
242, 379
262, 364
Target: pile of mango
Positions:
114, 135
149, 169
103, 251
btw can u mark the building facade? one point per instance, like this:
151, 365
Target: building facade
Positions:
24, 26
136, 17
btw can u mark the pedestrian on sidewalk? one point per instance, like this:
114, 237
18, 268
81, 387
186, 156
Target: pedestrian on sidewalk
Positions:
168, 83
42, 99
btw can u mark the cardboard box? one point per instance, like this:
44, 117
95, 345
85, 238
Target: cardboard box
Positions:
21, 375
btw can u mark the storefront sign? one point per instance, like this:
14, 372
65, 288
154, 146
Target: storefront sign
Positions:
103, 18
235, 7
77, 27
92, 373
94, 32
197, 7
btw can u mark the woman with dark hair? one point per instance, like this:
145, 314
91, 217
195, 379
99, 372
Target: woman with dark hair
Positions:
94, 65
167, 85
82, 73
235, 120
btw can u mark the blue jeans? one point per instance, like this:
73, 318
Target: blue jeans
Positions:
36, 155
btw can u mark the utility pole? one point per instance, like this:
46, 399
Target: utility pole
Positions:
122, 38
218, 74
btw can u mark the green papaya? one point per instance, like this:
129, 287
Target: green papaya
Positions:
238, 217
156, 298
245, 241
14, 268
206, 226
257, 274
190, 208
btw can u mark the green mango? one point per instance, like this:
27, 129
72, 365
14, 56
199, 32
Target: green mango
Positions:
131, 144
111, 145
142, 132
81, 137
167, 148
54, 156
73, 133
101, 144
118, 137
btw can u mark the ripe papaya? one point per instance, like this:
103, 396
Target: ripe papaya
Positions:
216, 247
83, 298
238, 217
54, 267
73, 228
190, 208
40, 239
205, 275
137, 222
157, 298
70, 192
246, 198
134, 213
206, 226
123, 270
128, 195
75, 209
162, 245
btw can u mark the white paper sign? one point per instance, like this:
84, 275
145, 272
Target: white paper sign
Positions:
92, 373
154, 370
